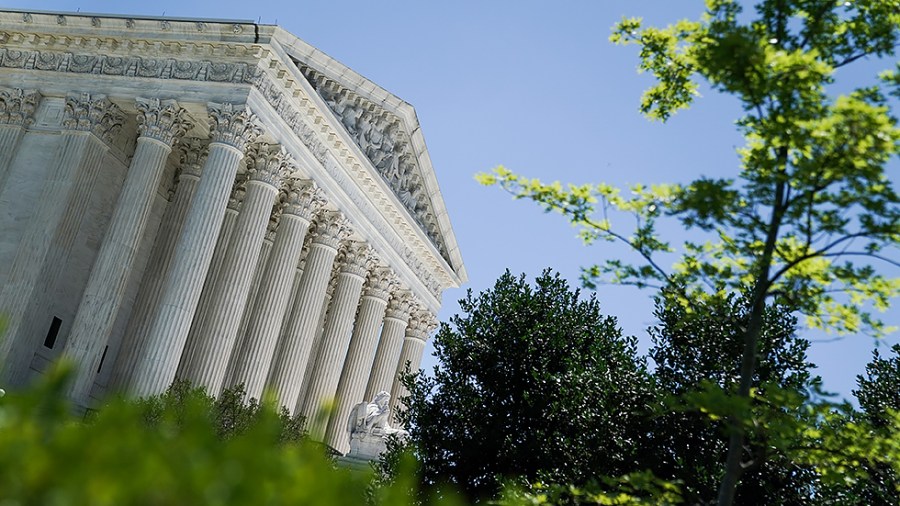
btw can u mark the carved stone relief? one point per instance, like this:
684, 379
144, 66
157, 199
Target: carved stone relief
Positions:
380, 136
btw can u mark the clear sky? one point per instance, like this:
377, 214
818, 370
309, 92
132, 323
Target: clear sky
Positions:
533, 85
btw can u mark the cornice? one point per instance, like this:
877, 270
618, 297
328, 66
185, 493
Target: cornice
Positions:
299, 108
115, 49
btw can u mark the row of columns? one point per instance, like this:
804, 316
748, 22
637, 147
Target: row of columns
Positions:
266, 317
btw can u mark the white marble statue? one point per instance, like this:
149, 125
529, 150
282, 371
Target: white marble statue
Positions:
368, 426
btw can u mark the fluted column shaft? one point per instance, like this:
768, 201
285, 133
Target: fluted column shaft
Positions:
223, 241
193, 253
265, 252
253, 357
288, 312
9, 140
411, 354
134, 340
384, 366
360, 354
289, 365
161, 123
209, 353
335, 336
63, 201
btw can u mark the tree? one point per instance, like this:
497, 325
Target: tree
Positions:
692, 349
879, 401
811, 213
533, 383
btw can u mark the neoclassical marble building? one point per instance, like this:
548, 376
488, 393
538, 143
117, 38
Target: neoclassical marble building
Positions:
216, 201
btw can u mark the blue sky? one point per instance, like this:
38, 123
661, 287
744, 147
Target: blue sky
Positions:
532, 85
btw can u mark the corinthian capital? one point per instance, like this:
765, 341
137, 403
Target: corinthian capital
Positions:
331, 228
238, 189
356, 258
163, 120
93, 113
302, 197
268, 163
421, 324
232, 124
192, 153
380, 283
17, 106
400, 306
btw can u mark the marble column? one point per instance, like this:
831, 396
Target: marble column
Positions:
253, 357
232, 210
193, 153
208, 354
288, 312
265, 252
90, 122
360, 355
160, 125
384, 367
232, 128
356, 260
17, 108
290, 364
420, 326
320, 327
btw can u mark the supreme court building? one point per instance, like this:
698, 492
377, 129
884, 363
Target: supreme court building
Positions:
215, 201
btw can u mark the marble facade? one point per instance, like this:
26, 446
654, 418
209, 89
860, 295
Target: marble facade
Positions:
215, 201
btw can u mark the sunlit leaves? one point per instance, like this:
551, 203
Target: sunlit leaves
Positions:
813, 209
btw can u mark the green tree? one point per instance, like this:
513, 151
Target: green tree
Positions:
533, 383
811, 212
878, 394
692, 349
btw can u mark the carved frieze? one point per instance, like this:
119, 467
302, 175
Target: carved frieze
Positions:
128, 66
17, 106
283, 105
380, 136
93, 113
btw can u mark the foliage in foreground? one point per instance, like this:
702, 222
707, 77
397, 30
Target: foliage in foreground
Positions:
179, 455
229, 413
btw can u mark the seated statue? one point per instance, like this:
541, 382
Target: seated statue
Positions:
372, 418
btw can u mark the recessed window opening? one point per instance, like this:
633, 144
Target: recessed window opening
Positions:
50, 340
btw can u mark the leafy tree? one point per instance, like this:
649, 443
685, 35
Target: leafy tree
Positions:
811, 212
533, 383
693, 349
879, 389
879, 399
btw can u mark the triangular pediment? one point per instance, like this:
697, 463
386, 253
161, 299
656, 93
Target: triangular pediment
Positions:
387, 133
